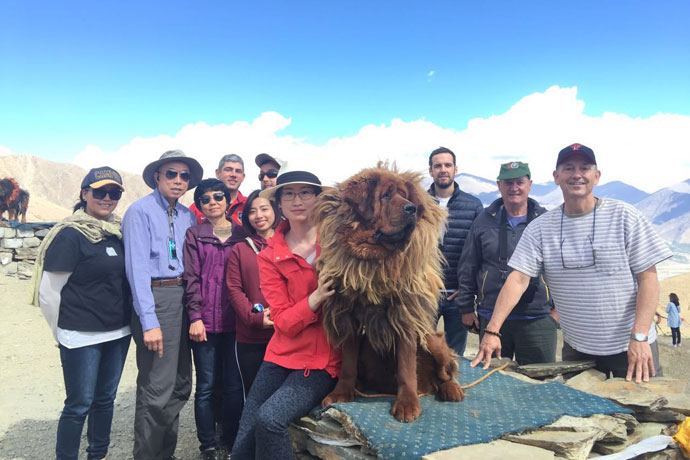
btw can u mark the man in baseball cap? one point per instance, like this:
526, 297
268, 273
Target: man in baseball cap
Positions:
269, 169
529, 333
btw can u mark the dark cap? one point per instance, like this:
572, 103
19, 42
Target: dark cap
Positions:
573, 149
513, 170
99, 177
264, 158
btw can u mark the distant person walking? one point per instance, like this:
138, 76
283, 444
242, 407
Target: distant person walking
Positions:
82, 289
674, 322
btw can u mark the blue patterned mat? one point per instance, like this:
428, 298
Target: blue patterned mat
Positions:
500, 404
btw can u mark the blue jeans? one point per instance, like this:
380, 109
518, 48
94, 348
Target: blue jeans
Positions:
91, 374
456, 332
205, 353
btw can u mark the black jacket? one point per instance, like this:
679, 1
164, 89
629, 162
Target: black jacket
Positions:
479, 273
463, 208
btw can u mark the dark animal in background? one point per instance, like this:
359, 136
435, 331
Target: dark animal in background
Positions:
13, 199
379, 235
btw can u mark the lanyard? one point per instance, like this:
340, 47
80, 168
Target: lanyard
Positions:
172, 244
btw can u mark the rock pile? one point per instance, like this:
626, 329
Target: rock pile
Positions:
19, 248
657, 408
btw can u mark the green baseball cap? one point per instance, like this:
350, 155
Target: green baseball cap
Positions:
513, 170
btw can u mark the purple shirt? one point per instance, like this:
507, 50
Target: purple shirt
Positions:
146, 234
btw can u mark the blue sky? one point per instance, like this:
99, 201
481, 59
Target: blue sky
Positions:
75, 73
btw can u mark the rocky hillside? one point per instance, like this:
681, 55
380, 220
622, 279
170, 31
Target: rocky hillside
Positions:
54, 187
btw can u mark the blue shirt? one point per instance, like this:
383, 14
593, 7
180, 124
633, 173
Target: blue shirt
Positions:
673, 315
146, 235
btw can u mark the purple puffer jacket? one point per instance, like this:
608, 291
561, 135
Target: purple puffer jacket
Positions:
206, 294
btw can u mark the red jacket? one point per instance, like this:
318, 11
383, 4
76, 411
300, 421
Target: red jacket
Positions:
242, 280
233, 213
299, 341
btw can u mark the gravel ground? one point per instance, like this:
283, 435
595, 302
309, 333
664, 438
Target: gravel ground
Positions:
32, 390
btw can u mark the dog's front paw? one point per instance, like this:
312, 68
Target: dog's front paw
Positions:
336, 396
451, 391
406, 408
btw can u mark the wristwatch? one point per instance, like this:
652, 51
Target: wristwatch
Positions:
638, 337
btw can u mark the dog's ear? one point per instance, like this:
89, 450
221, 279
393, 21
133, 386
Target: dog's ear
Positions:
359, 194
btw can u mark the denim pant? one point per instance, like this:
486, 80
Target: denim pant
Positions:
92, 374
278, 396
221, 345
456, 332
675, 335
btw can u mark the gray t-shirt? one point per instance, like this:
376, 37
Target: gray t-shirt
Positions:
602, 251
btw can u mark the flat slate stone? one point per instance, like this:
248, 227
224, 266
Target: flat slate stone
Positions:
612, 429
553, 369
495, 450
572, 445
643, 431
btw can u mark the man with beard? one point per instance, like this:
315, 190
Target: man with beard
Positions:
598, 257
462, 209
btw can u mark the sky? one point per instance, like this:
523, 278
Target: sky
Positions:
335, 86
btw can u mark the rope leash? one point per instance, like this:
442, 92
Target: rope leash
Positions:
464, 387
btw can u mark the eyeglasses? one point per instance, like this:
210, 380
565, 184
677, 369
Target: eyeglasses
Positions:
271, 173
304, 195
100, 193
171, 174
589, 237
205, 199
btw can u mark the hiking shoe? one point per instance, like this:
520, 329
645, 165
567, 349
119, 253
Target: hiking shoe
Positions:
209, 454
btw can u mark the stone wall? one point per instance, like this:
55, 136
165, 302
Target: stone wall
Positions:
19, 248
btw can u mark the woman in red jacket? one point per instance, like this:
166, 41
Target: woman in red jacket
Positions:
300, 368
254, 326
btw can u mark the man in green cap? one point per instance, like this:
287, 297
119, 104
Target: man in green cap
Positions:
529, 333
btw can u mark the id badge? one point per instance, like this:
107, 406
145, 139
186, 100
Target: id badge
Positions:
172, 249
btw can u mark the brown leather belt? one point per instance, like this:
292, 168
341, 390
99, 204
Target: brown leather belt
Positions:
167, 282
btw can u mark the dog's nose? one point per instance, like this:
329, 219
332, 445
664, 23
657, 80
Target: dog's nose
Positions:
410, 208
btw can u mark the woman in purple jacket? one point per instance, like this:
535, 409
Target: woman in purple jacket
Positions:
212, 319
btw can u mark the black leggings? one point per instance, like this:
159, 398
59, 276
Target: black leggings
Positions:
278, 396
675, 335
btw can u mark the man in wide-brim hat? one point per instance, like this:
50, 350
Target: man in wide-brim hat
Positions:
153, 231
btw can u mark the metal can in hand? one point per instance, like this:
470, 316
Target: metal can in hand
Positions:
257, 308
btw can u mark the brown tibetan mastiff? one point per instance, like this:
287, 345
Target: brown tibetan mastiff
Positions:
379, 234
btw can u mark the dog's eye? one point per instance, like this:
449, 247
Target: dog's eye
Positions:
386, 196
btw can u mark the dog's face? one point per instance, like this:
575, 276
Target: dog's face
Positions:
385, 208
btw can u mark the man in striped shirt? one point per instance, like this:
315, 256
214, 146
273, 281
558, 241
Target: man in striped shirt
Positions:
599, 260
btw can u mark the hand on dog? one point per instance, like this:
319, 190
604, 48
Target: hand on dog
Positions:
323, 291
490, 345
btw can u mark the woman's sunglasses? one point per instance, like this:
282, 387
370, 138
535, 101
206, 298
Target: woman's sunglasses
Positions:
171, 174
100, 193
205, 199
271, 173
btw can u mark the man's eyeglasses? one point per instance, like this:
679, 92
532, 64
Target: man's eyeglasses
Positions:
171, 174
589, 237
100, 193
271, 173
304, 195
205, 199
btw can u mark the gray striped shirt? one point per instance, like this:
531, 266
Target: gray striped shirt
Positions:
602, 251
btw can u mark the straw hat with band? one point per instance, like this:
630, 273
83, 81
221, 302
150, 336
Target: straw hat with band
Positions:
196, 172
294, 178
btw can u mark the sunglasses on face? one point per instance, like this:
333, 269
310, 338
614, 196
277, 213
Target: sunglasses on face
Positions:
205, 199
100, 193
171, 174
271, 173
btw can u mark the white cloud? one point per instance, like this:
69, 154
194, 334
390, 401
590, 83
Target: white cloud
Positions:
649, 153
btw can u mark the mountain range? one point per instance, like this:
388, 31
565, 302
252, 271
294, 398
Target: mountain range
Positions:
54, 189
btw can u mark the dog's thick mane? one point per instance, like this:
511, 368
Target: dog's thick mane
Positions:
408, 280
14, 190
